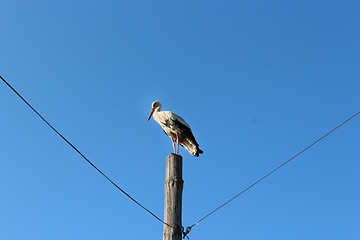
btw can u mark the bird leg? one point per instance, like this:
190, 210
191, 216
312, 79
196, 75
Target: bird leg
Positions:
177, 141
173, 144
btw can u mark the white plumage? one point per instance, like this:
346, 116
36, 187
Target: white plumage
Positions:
176, 128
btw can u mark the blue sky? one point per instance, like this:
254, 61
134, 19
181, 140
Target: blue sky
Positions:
256, 80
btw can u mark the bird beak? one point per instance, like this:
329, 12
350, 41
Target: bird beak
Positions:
151, 113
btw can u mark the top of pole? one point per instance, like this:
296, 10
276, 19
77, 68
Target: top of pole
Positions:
173, 155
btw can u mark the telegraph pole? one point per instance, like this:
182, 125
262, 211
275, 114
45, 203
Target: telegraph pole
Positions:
173, 197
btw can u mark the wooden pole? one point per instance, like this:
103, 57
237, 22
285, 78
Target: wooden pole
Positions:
173, 197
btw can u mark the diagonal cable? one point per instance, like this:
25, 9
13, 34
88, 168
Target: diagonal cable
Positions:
82, 155
252, 185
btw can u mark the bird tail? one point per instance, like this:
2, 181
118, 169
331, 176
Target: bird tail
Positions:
192, 148
198, 151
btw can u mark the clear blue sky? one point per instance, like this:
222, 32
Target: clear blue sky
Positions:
256, 80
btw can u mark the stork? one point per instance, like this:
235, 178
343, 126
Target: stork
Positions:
176, 128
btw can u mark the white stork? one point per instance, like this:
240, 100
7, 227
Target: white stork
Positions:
176, 128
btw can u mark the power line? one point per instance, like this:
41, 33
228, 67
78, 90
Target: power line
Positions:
252, 185
82, 155
188, 228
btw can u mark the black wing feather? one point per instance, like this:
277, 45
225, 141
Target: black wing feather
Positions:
186, 130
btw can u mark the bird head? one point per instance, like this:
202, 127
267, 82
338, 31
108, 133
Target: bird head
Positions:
154, 106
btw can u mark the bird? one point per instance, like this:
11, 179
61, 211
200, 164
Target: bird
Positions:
176, 128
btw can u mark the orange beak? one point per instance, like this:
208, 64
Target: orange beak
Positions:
151, 113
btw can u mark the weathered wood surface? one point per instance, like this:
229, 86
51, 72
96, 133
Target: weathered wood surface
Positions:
173, 197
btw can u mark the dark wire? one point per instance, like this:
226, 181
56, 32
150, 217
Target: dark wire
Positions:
142, 205
82, 155
274, 170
